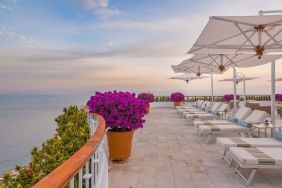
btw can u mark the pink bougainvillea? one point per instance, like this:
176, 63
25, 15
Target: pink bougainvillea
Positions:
229, 97
147, 97
121, 110
177, 97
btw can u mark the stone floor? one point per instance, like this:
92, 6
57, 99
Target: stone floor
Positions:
168, 154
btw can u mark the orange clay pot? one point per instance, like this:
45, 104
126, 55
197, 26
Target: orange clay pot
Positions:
176, 104
120, 144
148, 109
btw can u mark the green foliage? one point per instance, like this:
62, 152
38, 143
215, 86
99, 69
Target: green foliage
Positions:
72, 133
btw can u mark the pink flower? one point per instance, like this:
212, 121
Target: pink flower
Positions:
147, 97
229, 97
177, 97
121, 110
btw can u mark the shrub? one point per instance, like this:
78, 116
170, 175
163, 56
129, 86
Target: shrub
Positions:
177, 97
229, 97
278, 97
72, 134
147, 97
121, 110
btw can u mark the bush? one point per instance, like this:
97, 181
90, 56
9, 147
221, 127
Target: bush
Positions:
177, 97
147, 97
72, 133
278, 97
121, 110
229, 97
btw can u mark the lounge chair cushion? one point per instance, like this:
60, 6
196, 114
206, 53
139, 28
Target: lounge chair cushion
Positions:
245, 124
269, 156
232, 119
226, 143
228, 128
243, 113
278, 135
256, 116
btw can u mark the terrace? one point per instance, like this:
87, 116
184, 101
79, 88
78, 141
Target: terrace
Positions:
168, 153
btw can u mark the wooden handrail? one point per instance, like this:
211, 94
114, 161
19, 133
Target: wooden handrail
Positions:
61, 176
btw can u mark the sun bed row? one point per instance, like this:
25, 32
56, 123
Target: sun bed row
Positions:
245, 152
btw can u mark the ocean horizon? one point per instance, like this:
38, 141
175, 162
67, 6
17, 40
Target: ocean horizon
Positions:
26, 122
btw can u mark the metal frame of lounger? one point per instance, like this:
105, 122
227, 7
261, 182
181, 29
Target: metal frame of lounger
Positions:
239, 165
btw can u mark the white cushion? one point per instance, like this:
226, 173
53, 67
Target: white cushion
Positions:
248, 159
226, 143
216, 106
256, 116
222, 107
243, 113
228, 128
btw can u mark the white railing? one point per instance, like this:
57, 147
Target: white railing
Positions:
88, 167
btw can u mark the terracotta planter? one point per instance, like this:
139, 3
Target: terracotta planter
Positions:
176, 104
120, 144
148, 109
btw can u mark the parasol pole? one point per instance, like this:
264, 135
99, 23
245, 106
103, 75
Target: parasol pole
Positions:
212, 87
234, 89
273, 92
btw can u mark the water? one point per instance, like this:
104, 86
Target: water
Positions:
27, 121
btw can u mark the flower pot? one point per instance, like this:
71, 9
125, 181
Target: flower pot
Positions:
119, 144
148, 109
176, 104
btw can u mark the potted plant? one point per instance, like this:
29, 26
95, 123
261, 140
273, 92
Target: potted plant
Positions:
123, 113
278, 97
229, 97
148, 98
177, 97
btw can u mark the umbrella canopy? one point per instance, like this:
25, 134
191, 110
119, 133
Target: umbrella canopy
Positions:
203, 64
218, 63
189, 77
238, 79
257, 35
198, 70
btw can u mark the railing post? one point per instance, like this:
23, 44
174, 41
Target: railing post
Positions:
72, 183
80, 179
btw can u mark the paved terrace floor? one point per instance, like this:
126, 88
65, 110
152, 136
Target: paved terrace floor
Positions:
168, 154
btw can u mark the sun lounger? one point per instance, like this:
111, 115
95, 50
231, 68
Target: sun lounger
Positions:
206, 116
241, 114
226, 143
196, 110
197, 103
193, 107
255, 158
206, 131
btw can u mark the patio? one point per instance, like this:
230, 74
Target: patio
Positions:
167, 154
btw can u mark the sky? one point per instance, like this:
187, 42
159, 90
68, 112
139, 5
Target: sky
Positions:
82, 46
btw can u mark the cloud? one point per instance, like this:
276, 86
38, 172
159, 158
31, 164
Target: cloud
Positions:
21, 38
4, 8
101, 8
106, 12
90, 4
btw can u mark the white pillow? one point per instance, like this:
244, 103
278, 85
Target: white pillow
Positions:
256, 116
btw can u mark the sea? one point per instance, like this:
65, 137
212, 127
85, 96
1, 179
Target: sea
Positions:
26, 121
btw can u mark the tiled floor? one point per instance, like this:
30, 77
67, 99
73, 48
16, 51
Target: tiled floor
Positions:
168, 154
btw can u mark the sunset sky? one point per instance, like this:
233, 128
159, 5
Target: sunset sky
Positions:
80, 46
